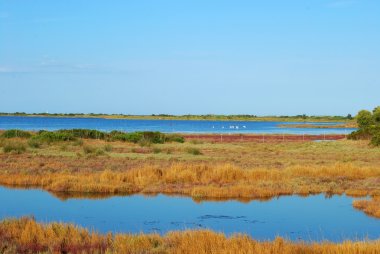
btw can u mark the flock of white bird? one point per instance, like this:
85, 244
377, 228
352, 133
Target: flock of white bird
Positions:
232, 127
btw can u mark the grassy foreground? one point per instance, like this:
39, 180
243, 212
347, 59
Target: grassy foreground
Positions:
25, 235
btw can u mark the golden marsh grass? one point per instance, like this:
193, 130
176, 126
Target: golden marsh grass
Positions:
25, 235
370, 207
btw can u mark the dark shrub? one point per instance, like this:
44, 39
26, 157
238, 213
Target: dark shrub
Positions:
85, 133
133, 137
375, 141
48, 137
359, 134
376, 115
145, 137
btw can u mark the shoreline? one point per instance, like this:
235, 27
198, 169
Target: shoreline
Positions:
224, 118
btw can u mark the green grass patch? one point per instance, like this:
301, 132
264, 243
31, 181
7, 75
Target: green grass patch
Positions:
16, 134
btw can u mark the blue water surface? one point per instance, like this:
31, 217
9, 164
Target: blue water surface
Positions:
167, 126
313, 218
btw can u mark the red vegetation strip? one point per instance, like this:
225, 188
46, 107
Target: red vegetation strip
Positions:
229, 138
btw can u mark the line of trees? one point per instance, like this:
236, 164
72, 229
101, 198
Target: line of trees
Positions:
369, 126
188, 116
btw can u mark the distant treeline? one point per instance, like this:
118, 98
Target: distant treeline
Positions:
303, 117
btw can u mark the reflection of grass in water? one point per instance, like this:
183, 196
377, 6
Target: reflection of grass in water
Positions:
81, 195
97, 196
25, 235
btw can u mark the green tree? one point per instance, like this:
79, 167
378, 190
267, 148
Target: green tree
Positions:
376, 115
369, 126
365, 119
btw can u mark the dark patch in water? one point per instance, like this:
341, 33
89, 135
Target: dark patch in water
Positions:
254, 221
151, 222
222, 217
177, 223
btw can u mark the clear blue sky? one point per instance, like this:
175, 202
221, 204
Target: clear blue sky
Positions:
194, 56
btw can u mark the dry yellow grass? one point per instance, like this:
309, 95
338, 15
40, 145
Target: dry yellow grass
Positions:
202, 180
27, 236
247, 155
370, 207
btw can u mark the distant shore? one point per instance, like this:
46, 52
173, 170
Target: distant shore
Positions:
210, 117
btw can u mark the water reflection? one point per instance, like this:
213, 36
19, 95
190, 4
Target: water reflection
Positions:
294, 217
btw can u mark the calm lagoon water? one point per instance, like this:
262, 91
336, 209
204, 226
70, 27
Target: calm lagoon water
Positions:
180, 126
313, 218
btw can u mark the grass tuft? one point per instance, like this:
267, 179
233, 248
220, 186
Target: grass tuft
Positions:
194, 151
14, 147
